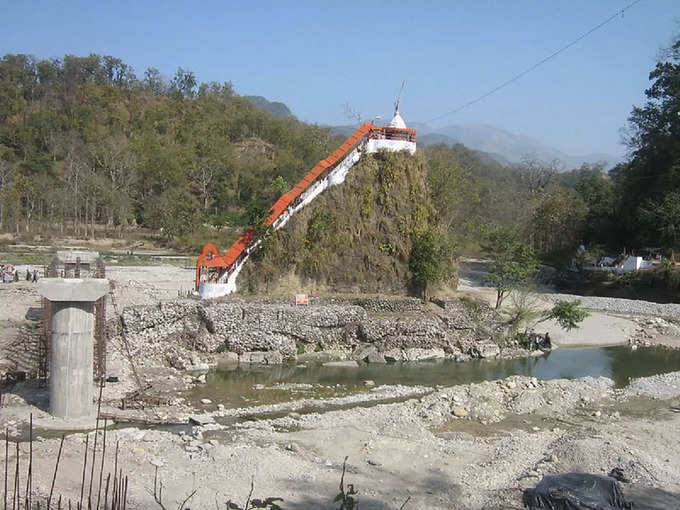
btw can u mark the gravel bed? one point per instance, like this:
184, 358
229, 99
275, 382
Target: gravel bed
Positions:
620, 306
660, 386
381, 393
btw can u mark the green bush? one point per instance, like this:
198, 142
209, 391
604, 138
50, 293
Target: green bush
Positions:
568, 314
473, 303
430, 261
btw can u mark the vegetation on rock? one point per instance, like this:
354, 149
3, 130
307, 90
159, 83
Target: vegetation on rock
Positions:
379, 231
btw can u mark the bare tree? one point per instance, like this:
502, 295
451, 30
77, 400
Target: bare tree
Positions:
114, 159
536, 175
352, 113
203, 173
74, 171
6, 171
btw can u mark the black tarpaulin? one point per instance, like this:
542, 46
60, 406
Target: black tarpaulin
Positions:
582, 491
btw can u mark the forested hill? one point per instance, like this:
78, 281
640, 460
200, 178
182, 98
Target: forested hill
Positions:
88, 148
86, 143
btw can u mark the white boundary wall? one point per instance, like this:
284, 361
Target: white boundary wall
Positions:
374, 145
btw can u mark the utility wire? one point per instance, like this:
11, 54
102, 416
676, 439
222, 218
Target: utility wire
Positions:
537, 64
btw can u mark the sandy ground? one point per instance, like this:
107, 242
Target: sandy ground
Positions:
18, 301
599, 329
596, 330
132, 285
508, 433
515, 431
146, 285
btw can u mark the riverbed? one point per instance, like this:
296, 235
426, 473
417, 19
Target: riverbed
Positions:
247, 385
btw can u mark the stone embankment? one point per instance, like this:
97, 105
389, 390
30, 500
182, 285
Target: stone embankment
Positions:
186, 333
21, 353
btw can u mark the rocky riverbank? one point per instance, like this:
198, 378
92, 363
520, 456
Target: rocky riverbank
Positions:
185, 334
467, 446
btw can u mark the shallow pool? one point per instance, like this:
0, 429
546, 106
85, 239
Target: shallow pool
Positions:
251, 384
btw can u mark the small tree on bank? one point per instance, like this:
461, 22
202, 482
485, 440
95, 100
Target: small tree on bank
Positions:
512, 262
568, 314
525, 312
429, 261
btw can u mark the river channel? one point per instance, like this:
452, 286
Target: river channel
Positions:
246, 385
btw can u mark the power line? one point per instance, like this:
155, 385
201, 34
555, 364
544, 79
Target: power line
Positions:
537, 64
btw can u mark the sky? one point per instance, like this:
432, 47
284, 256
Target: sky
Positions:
317, 56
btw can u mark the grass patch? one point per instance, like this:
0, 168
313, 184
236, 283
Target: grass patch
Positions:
31, 259
472, 303
148, 260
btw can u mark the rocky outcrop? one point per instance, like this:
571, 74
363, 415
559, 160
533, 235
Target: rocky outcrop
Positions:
372, 304
186, 332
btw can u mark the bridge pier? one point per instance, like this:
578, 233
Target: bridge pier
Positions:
72, 344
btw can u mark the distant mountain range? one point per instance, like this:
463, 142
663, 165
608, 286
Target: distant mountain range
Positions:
488, 141
277, 109
499, 143
437, 138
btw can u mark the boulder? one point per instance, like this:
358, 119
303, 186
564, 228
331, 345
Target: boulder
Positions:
460, 412
375, 357
393, 355
361, 352
342, 364
262, 357
199, 367
485, 349
416, 354
247, 340
329, 355
200, 419
227, 358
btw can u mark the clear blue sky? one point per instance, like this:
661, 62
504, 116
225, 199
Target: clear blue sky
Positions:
317, 55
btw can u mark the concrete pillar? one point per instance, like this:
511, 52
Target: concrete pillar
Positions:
72, 343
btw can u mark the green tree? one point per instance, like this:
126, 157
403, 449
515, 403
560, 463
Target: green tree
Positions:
513, 261
430, 260
664, 218
568, 314
184, 83
278, 186
154, 81
455, 192
653, 171
175, 213
525, 310
558, 221
595, 187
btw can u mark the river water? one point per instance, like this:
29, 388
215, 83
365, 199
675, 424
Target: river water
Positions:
244, 385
